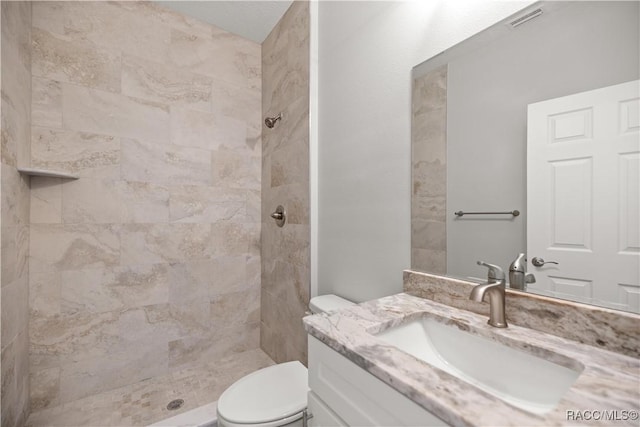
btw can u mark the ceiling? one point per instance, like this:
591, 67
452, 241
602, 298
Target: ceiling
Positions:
251, 19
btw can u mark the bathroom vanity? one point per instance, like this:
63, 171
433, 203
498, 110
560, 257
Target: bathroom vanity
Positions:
410, 360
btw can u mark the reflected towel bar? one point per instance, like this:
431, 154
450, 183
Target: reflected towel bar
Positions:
513, 212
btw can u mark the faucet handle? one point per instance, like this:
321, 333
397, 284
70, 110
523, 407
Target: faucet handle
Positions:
495, 272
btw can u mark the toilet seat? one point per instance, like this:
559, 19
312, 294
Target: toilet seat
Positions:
269, 396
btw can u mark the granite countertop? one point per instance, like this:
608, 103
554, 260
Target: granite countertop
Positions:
609, 381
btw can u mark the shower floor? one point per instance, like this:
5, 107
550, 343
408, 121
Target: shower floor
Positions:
145, 402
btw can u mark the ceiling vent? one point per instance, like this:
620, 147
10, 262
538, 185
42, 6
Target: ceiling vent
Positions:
526, 17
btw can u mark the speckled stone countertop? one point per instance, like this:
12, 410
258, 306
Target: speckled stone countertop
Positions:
609, 381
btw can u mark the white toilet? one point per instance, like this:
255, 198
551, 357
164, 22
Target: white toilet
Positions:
276, 395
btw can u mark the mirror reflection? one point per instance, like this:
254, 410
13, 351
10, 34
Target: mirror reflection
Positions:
538, 114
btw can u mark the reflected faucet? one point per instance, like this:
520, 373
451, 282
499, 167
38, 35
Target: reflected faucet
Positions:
495, 289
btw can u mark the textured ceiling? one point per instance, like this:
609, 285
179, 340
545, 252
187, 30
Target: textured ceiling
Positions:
251, 19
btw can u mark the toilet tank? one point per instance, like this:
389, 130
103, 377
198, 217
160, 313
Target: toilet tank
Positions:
328, 303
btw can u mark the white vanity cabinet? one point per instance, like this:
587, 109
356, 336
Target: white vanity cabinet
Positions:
344, 394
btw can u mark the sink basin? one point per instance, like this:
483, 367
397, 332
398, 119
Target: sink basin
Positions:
518, 378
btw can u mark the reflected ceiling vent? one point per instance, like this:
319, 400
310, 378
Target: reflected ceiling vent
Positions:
526, 17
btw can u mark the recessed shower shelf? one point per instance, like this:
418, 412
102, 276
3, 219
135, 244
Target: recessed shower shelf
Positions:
48, 173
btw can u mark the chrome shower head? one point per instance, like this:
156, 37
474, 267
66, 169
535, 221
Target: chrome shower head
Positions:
270, 122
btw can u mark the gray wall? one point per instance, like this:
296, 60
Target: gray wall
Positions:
366, 52
596, 44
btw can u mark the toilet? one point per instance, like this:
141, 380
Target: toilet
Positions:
276, 395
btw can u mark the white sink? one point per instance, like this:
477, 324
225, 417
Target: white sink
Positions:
520, 379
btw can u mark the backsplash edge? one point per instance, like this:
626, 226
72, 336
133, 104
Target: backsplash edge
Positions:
604, 328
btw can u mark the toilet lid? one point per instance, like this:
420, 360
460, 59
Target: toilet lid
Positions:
270, 394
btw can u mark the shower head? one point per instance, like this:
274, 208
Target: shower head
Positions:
270, 122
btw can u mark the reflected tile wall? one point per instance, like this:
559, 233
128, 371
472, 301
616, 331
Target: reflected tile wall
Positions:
147, 263
285, 181
14, 292
429, 172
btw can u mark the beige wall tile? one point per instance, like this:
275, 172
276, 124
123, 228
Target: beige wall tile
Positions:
15, 117
224, 56
45, 388
254, 267
48, 16
164, 164
14, 315
65, 338
238, 102
91, 376
14, 197
235, 308
44, 293
190, 281
15, 249
162, 83
295, 197
428, 207
73, 62
143, 202
157, 243
231, 238
192, 128
46, 200
197, 349
85, 154
91, 201
103, 290
129, 258
429, 133
164, 322
285, 174
429, 171
427, 234
433, 260
96, 111
154, 13
15, 132
16, 83
56, 247
228, 274
254, 206
235, 170
199, 204
254, 139
105, 24
273, 343
289, 165
46, 103
8, 387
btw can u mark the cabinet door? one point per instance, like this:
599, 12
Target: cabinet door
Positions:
356, 396
323, 416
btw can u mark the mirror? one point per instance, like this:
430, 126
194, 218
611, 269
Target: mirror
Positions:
472, 127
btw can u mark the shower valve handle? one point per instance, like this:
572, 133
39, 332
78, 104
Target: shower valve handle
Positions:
280, 215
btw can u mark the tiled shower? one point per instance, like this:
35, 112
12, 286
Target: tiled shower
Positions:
155, 271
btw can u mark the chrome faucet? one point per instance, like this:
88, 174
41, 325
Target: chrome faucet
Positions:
495, 288
518, 277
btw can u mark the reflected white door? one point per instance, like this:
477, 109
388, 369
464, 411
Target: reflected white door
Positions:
583, 195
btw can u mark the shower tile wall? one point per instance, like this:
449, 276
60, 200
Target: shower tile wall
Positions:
16, 82
150, 262
429, 172
285, 181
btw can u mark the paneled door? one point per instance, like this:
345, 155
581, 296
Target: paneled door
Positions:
583, 196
